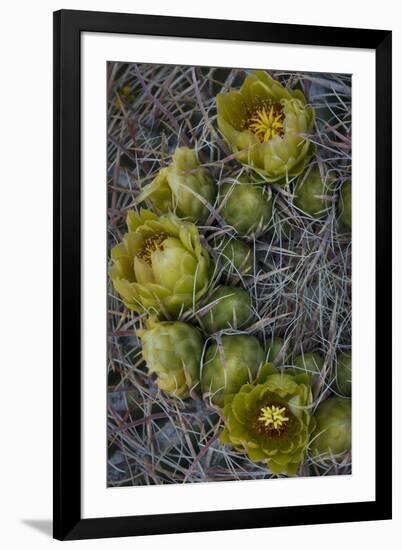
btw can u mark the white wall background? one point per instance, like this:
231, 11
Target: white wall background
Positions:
26, 270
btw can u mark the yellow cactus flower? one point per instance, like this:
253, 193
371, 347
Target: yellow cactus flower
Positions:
267, 126
160, 264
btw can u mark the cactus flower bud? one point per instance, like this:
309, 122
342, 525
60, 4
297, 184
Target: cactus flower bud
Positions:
229, 365
184, 187
332, 437
308, 363
246, 207
344, 374
313, 194
172, 350
228, 307
235, 257
276, 351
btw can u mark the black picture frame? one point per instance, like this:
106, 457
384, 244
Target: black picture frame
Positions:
68, 27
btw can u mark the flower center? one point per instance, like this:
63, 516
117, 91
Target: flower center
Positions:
266, 121
273, 417
153, 243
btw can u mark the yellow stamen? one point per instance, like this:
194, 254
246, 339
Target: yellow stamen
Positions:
153, 243
273, 417
266, 122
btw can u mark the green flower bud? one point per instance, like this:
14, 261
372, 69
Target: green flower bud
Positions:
228, 307
184, 187
267, 126
246, 207
160, 264
345, 204
313, 194
235, 257
308, 363
172, 350
229, 365
271, 421
277, 351
332, 437
344, 374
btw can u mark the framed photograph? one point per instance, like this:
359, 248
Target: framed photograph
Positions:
222, 274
